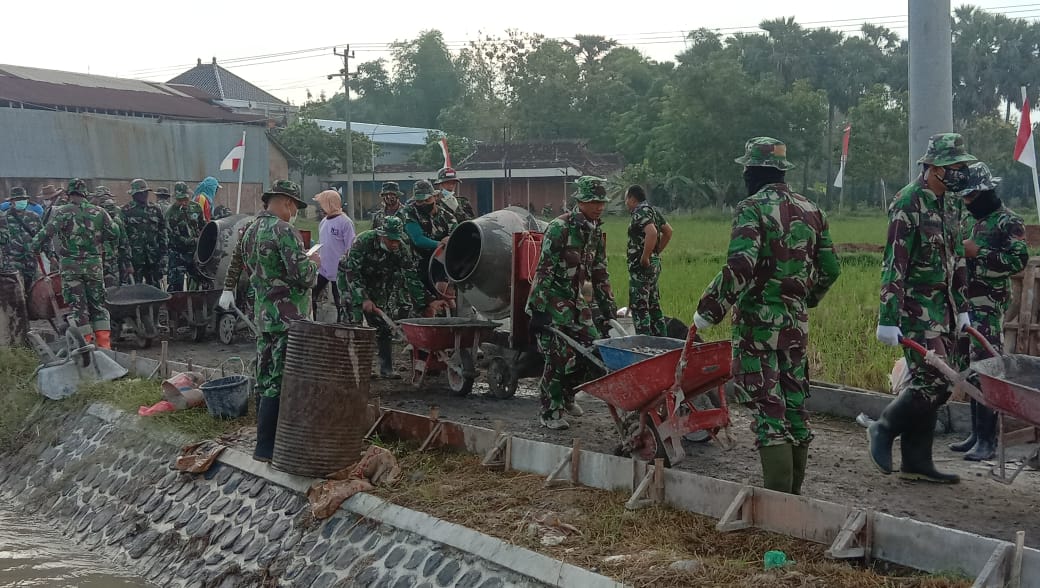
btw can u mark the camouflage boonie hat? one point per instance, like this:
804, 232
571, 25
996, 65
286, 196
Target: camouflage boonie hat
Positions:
946, 149
285, 188
980, 178
180, 190
446, 174
423, 190
138, 185
765, 152
392, 228
591, 189
102, 191
162, 193
77, 186
18, 193
391, 188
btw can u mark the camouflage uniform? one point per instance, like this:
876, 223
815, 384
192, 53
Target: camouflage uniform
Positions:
23, 226
644, 299
5, 238
119, 269
282, 277
162, 199
146, 232
426, 228
547, 212
81, 230
780, 262
573, 251
388, 189
462, 211
184, 223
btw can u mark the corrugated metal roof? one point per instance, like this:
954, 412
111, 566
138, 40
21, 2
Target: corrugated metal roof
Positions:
223, 84
388, 134
52, 89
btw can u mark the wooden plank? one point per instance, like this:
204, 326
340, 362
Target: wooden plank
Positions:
1016, 560
740, 513
843, 546
994, 572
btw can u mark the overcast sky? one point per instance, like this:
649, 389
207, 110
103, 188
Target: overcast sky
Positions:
158, 40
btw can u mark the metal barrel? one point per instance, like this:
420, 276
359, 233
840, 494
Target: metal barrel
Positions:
14, 317
216, 245
323, 416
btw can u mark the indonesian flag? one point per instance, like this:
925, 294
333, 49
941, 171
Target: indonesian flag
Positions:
234, 157
840, 178
1025, 152
444, 151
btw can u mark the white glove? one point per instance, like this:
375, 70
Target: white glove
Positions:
227, 300
700, 322
889, 335
963, 320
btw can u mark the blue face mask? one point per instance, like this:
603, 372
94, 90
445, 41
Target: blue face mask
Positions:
21, 205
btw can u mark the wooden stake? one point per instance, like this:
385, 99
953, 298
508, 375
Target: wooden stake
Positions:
658, 480
995, 570
844, 545
1016, 561
164, 356
575, 460
509, 454
489, 457
739, 514
133, 363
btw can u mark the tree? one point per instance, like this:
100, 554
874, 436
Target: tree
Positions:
431, 156
425, 81
317, 152
879, 144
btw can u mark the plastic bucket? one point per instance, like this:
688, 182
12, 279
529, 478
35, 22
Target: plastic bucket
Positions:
227, 398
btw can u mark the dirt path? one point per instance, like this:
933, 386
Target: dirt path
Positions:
839, 470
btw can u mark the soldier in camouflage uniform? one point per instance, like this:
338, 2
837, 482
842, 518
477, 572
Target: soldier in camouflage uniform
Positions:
391, 194
5, 238
370, 272
547, 212
573, 252
23, 226
923, 298
81, 230
282, 276
648, 235
427, 226
780, 263
448, 183
995, 248
119, 269
162, 199
184, 223
146, 231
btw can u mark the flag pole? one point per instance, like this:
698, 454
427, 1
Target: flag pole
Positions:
241, 166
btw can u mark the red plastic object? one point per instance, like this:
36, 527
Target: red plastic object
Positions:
39, 304
158, 407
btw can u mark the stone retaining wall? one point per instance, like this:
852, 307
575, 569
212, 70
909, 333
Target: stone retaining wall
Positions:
111, 488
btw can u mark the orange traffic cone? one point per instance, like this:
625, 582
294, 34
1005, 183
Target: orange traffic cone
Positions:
104, 339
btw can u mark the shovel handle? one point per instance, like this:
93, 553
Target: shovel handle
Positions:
975, 334
585, 351
957, 380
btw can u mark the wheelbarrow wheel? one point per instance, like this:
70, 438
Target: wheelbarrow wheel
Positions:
651, 446
226, 328
145, 332
501, 379
459, 381
198, 333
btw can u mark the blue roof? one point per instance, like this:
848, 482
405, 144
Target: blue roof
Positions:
389, 134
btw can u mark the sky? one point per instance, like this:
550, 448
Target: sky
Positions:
156, 40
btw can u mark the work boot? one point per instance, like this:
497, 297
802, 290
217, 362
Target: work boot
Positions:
386, 360
986, 431
266, 427
572, 408
917, 452
777, 467
967, 444
799, 460
894, 420
103, 339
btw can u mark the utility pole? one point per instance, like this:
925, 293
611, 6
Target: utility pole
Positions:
930, 75
345, 74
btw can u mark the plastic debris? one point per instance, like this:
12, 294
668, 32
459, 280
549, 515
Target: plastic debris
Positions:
775, 559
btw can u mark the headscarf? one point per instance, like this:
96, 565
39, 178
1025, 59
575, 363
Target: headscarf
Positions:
330, 202
208, 188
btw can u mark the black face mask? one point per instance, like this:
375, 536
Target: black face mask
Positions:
984, 203
956, 180
756, 177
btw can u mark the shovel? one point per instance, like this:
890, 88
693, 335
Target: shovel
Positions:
585, 351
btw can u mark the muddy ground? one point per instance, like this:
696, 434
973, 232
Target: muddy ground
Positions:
839, 470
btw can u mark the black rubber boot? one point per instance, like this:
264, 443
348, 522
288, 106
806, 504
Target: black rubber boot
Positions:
799, 460
967, 444
986, 430
777, 467
386, 359
917, 452
266, 427
894, 420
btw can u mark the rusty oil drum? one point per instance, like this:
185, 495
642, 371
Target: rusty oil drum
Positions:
323, 415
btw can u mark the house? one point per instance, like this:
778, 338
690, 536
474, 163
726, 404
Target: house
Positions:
58, 125
396, 144
234, 93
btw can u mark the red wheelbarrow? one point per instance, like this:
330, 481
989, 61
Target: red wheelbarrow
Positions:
1009, 384
667, 412
448, 344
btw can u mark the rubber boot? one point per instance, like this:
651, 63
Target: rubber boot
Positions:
917, 452
986, 430
103, 339
386, 360
777, 467
799, 460
967, 444
894, 420
266, 427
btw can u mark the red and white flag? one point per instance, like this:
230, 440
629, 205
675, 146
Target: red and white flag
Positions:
1025, 151
839, 179
444, 151
235, 156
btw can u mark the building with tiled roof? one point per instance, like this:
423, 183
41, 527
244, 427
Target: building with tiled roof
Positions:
234, 92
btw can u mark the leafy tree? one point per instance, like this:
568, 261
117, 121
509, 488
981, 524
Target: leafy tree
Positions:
318, 152
431, 156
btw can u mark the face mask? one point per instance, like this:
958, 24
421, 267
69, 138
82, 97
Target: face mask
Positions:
984, 203
449, 199
424, 206
141, 197
956, 180
390, 202
21, 205
295, 215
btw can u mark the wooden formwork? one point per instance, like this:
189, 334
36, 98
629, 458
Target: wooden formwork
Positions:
1022, 319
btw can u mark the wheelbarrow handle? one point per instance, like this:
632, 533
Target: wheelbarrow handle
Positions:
389, 321
956, 379
982, 341
578, 347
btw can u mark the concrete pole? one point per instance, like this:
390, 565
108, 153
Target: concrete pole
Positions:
931, 74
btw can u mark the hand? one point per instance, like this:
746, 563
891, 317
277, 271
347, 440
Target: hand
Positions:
971, 249
699, 322
963, 320
645, 262
437, 306
539, 320
369, 307
315, 257
227, 300
889, 335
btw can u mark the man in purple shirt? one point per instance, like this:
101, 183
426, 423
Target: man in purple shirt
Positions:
336, 235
